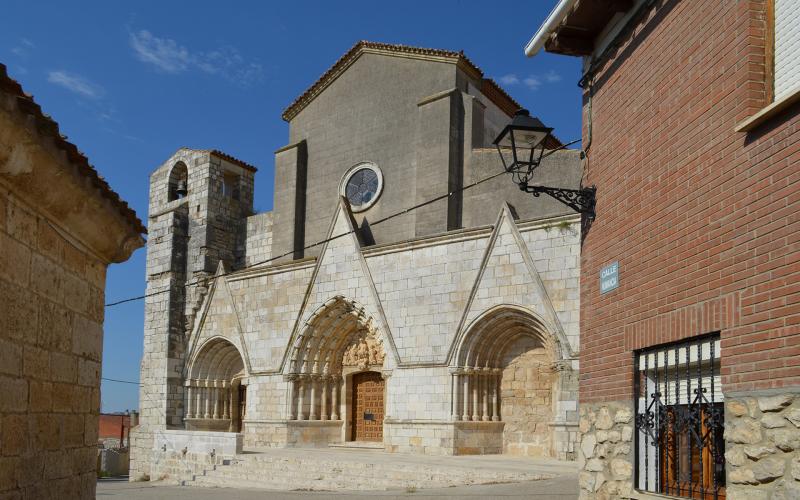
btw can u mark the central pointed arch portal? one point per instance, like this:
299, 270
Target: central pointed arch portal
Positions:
335, 371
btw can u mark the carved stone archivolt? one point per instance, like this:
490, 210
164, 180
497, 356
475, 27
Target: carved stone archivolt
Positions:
364, 350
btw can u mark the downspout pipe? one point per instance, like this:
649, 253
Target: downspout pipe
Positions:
560, 11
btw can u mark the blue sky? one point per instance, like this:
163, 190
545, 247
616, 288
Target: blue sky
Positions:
130, 82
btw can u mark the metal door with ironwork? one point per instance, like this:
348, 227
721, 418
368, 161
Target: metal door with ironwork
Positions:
367, 417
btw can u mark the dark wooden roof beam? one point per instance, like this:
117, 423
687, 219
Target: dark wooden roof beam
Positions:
571, 45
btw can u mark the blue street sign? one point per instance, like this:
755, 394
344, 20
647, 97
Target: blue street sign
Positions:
609, 277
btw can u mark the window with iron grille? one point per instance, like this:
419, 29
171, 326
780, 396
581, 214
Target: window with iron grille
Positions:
679, 419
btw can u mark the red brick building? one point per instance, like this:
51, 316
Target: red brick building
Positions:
114, 429
691, 129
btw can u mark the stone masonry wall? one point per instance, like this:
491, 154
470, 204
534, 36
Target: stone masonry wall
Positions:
527, 399
258, 246
51, 343
605, 454
762, 438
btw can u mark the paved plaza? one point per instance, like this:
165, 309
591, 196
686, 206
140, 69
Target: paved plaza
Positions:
564, 487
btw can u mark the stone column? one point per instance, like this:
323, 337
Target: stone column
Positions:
198, 404
313, 381
215, 395
292, 378
189, 399
323, 414
335, 396
486, 377
465, 399
454, 390
476, 380
232, 410
498, 377
207, 394
226, 413
301, 386
490, 394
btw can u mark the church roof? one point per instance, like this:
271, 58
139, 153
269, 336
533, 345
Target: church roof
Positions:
46, 126
487, 86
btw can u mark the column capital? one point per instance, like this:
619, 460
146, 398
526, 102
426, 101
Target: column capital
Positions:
385, 374
561, 365
290, 377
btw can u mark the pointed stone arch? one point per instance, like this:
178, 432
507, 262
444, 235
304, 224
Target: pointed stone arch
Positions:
507, 242
214, 375
487, 336
334, 327
340, 339
506, 368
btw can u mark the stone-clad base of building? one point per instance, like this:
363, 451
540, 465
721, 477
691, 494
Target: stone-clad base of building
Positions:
443, 438
605, 454
292, 433
762, 437
762, 443
421, 437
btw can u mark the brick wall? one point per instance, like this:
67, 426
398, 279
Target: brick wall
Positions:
51, 342
702, 219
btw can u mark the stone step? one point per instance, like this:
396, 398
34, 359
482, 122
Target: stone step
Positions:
341, 470
312, 475
264, 464
319, 479
358, 445
378, 471
373, 470
294, 484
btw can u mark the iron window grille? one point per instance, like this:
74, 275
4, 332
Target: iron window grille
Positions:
680, 419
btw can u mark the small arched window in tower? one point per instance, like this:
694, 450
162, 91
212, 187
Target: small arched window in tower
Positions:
178, 182
230, 185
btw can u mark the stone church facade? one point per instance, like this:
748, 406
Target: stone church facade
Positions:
341, 316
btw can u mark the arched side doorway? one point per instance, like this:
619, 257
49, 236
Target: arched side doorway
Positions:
214, 390
335, 371
505, 372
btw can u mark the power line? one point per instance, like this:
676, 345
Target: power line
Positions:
332, 238
120, 381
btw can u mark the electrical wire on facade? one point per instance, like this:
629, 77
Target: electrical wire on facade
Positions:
332, 238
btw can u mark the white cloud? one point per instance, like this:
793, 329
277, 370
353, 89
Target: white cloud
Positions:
22, 48
76, 84
510, 79
164, 53
552, 77
169, 56
532, 82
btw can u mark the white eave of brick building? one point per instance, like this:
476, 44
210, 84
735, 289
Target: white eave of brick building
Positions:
557, 15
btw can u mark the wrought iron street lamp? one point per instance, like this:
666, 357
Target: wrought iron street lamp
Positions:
526, 137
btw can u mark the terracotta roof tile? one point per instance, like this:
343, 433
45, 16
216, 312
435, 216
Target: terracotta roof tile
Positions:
225, 156
47, 126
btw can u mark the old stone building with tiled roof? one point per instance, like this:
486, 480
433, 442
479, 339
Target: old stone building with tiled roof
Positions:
393, 296
61, 226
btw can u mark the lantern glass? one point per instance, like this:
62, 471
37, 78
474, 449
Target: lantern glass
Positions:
523, 136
